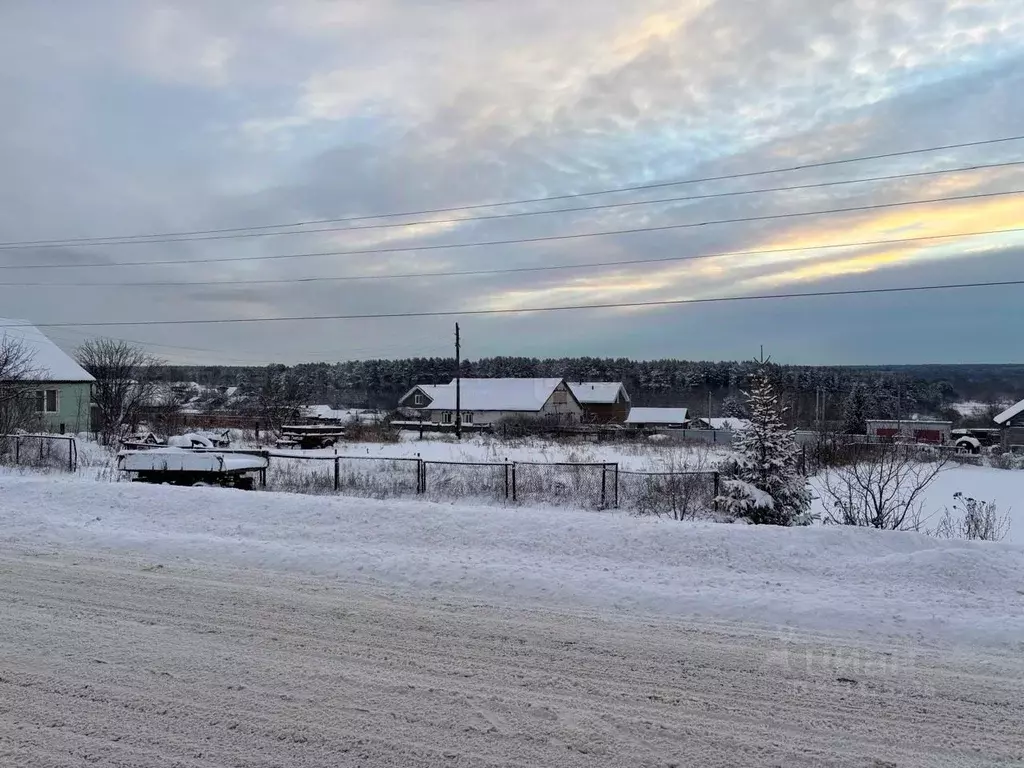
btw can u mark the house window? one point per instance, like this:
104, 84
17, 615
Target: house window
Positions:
467, 417
560, 397
446, 417
417, 399
47, 400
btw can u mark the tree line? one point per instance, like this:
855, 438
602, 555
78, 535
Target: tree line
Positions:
811, 394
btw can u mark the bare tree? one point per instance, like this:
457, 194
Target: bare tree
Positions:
16, 383
126, 382
882, 490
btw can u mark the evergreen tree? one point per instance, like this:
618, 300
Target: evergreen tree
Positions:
733, 408
767, 488
855, 412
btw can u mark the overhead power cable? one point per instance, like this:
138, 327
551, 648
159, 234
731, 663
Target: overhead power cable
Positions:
514, 270
266, 229
531, 310
518, 240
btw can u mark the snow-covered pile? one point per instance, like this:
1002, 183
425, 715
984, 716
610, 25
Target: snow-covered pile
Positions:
833, 579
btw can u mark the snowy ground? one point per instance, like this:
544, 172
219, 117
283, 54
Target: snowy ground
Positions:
143, 661
860, 582
201, 627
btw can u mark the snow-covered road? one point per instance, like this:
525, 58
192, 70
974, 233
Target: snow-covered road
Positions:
136, 661
862, 583
194, 627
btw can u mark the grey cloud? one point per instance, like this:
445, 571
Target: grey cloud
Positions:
736, 88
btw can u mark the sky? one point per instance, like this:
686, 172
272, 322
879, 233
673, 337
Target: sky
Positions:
135, 117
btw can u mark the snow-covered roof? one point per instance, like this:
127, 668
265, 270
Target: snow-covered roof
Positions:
727, 423
490, 394
598, 392
49, 362
1009, 413
657, 416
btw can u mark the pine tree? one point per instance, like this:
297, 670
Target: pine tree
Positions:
767, 488
855, 411
734, 409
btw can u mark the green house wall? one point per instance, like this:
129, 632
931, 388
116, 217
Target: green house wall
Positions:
73, 407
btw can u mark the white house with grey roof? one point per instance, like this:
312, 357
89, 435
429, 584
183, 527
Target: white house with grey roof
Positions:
61, 390
488, 401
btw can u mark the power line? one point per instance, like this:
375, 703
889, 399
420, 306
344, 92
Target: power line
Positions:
529, 310
516, 241
246, 233
230, 231
514, 270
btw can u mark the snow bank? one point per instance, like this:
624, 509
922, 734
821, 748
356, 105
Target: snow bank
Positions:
1003, 486
859, 582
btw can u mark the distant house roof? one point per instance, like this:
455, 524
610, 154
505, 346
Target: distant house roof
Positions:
49, 362
657, 416
1009, 413
324, 412
489, 394
598, 392
726, 423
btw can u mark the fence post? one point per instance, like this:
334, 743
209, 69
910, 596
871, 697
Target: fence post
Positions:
514, 481
714, 502
71, 465
41, 441
616, 485
604, 485
423, 476
506, 481
337, 473
17, 450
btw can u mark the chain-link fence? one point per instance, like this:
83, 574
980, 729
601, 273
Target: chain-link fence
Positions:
58, 452
462, 480
570, 484
676, 495
370, 476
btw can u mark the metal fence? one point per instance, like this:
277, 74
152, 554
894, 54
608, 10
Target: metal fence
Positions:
40, 451
677, 495
371, 476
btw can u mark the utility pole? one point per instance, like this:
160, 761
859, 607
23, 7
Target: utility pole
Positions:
458, 384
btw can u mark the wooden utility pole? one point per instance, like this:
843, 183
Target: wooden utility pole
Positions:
458, 384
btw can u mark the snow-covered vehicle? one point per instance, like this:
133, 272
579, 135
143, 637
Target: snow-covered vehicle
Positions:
178, 466
974, 440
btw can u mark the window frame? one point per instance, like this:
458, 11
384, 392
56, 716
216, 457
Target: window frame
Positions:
42, 400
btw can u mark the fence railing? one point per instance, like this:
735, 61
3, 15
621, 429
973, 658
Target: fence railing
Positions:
53, 451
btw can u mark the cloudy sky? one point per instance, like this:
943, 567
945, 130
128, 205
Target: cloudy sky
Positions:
129, 117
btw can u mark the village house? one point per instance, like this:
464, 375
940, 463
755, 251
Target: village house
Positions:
603, 402
1011, 424
59, 388
658, 418
489, 401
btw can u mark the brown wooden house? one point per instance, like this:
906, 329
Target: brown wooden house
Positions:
1011, 423
604, 402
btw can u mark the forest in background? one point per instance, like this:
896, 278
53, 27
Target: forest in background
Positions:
832, 393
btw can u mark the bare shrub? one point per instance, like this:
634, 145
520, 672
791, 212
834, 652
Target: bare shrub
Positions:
16, 375
884, 490
974, 520
1008, 461
681, 486
358, 432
